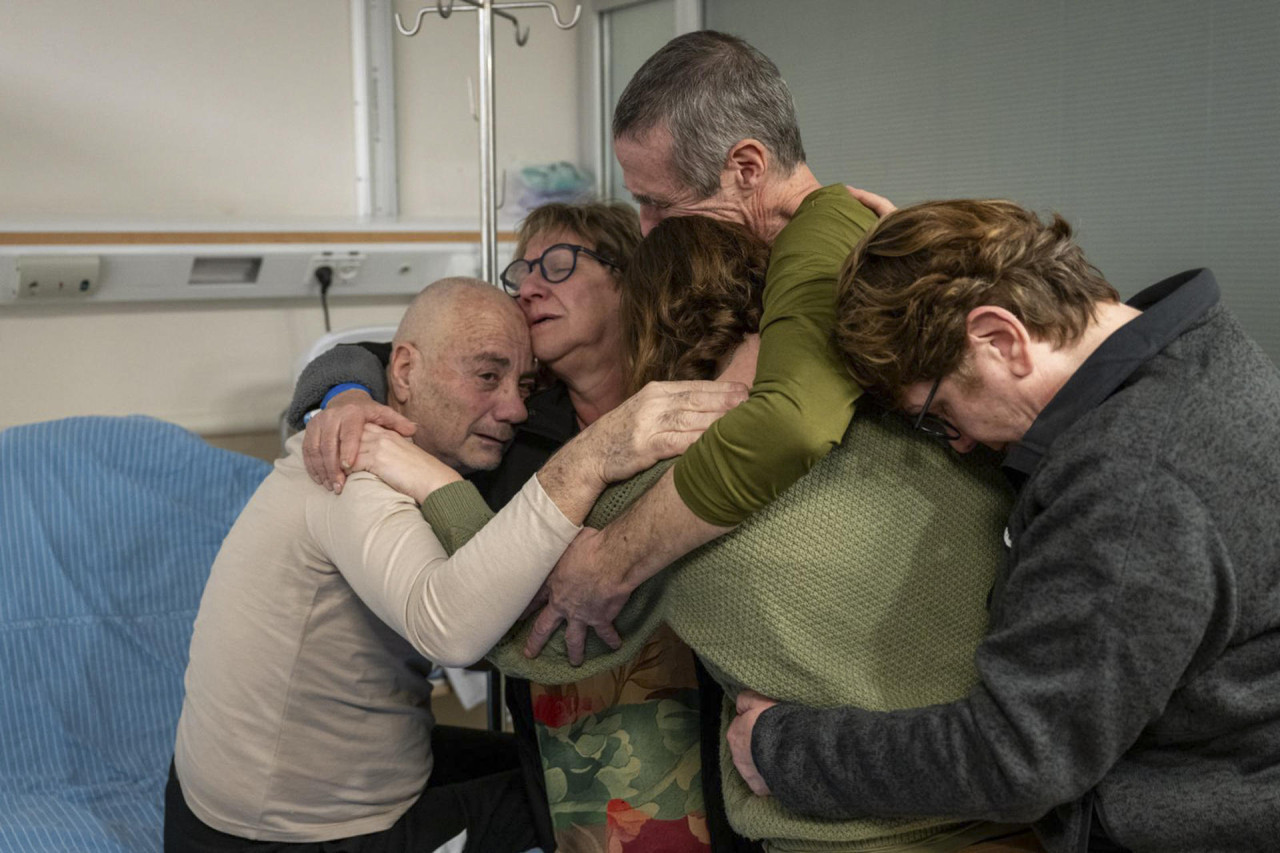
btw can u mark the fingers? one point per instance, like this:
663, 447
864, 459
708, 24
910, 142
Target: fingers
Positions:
677, 432
320, 451
674, 386
688, 420
371, 438
878, 204
667, 444
349, 432
543, 627
311, 456
698, 393
393, 420
746, 700
609, 634
575, 640
707, 400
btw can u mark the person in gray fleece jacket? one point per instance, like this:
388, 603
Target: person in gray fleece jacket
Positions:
1129, 694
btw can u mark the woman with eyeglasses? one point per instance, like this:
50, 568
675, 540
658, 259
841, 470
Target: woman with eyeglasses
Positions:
602, 778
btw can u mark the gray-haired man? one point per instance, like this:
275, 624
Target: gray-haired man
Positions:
707, 127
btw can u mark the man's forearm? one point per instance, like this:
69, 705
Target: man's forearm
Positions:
344, 363
656, 531
956, 760
572, 484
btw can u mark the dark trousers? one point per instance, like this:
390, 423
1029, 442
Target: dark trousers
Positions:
476, 785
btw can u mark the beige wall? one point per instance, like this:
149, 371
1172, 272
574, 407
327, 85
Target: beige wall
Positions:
174, 113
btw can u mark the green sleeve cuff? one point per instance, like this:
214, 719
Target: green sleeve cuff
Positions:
456, 512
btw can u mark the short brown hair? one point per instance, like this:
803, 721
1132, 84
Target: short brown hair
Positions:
905, 293
693, 291
612, 228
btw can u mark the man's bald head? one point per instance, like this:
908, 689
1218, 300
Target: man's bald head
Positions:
460, 369
434, 314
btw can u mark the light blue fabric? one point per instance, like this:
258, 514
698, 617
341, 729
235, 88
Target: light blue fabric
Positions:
108, 527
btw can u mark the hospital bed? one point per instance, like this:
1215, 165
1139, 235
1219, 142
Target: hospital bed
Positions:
108, 527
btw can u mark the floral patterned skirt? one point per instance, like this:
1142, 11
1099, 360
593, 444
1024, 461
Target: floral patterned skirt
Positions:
620, 755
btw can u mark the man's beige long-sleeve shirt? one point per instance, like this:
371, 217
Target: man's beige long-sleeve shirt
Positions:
307, 715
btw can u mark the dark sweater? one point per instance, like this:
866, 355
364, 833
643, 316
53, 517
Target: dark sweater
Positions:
1132, 666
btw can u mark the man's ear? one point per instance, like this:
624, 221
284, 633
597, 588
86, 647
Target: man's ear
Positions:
747, 164
405, 363
995, 333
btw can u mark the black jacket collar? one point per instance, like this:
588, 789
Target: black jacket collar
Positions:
551, 414
1169, 308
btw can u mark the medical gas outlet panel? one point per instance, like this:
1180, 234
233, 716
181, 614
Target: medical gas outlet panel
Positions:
57, 273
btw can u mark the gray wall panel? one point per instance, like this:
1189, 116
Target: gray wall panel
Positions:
1153, 125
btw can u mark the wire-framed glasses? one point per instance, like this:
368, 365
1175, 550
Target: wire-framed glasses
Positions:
931, 425
557, 263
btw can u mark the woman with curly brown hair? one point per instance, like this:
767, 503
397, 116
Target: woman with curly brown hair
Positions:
692, 297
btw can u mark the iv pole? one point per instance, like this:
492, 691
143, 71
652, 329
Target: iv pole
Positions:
488, 147
488, 162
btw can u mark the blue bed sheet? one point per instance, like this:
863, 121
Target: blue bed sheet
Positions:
108, 527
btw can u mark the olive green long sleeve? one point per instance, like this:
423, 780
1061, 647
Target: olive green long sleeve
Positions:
802, 399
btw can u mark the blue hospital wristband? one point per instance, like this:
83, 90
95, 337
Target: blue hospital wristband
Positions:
338, 389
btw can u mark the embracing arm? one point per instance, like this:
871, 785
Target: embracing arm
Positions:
802, 399
799, 408
358, 373
452, 609
1106, 609
362, 364
658, 422
377, 538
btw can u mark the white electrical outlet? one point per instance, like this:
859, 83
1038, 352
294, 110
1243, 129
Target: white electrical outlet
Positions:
346, 267
57, 276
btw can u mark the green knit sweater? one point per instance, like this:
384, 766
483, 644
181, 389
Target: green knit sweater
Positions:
864, 584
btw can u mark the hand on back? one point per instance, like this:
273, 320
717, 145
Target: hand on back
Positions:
877, 204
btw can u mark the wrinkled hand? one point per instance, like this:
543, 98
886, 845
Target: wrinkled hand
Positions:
332, 441
750, 706
536, 603
583, 596
661, 420
877, 204
401, 464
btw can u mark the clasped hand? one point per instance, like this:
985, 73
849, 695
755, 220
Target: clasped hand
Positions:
585, 589
331, 446
749, 705
401, 464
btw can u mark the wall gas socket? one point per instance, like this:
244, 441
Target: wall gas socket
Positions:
346, 267
57, 276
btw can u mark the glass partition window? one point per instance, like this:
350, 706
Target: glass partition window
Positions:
628, 36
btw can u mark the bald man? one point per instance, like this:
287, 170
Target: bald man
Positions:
307, 722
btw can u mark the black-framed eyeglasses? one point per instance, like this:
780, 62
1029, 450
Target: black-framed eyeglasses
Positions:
931, 425
557, 263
